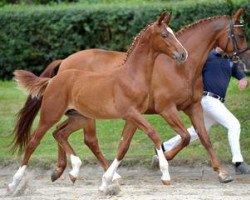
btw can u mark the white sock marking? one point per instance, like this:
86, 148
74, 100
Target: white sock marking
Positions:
76, 164
116, 176
108, 175
17, 178
163, 163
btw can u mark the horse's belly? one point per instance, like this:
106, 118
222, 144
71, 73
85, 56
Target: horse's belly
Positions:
99, 110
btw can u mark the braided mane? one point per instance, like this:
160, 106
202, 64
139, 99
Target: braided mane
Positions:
185, 28
135, 42
181, 31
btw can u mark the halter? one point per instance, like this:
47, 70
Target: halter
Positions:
236, 50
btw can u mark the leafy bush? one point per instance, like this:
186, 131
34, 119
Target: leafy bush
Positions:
31, 37
35, 1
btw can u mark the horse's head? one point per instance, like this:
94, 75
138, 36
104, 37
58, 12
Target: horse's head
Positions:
244, 62
165, 40
233, 40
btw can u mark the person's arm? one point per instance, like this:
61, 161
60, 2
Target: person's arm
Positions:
241, 76
243, 83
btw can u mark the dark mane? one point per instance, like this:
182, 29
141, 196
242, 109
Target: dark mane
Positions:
135, 41
185, 28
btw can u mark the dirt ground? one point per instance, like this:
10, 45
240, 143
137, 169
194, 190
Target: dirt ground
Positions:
188, 183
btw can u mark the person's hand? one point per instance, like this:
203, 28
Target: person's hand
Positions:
243, 83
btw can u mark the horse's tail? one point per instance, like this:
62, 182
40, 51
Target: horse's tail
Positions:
27, 114
33, 84
51, 69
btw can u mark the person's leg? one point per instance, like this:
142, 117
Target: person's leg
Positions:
224, 117
171, 143
215, 111
218, 111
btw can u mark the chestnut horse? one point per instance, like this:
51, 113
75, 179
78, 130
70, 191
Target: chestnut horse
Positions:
181, 91
118, 93
244, 62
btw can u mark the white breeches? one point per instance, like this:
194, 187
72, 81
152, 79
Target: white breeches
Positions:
215, 112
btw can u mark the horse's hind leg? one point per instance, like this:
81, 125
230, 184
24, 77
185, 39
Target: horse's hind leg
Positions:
64, 130
50, 114
74, 123
62, 159
32, 144
44, 126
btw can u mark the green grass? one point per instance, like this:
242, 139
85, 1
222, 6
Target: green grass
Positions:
109, 131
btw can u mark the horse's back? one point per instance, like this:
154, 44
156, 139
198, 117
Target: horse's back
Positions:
93, 60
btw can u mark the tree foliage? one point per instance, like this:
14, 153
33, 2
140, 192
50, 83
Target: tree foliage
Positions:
31, 38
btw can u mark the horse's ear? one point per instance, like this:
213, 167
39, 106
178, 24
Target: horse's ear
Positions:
238, 13
167, 18
163, 15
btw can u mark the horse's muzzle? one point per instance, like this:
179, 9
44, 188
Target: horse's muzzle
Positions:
181, 57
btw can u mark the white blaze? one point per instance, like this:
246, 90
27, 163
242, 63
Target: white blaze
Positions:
172, 32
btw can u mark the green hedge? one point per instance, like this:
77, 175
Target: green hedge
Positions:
31, 37
3, 2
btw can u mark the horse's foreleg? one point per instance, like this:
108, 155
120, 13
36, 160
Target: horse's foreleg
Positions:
196, 115
127, 134
91, 141
173, 119
135, 117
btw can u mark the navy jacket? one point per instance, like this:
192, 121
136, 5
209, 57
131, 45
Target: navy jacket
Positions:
217, 72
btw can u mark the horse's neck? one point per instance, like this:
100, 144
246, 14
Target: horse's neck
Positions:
199, 41
140, 62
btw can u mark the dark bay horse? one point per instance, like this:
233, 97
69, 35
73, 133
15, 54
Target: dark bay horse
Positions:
119, 93
180, 91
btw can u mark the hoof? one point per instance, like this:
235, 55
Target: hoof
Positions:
166, 182
118, 181
72, 178
9, 191
225, 177
54, 176
111, 190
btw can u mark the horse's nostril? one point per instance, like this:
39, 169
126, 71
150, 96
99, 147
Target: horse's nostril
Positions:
184, 55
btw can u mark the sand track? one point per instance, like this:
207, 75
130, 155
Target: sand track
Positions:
188, 183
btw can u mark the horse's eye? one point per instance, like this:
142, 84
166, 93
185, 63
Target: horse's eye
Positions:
164, 35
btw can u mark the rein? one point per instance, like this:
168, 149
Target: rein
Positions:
236, 50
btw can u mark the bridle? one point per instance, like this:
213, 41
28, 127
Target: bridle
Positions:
231, 36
